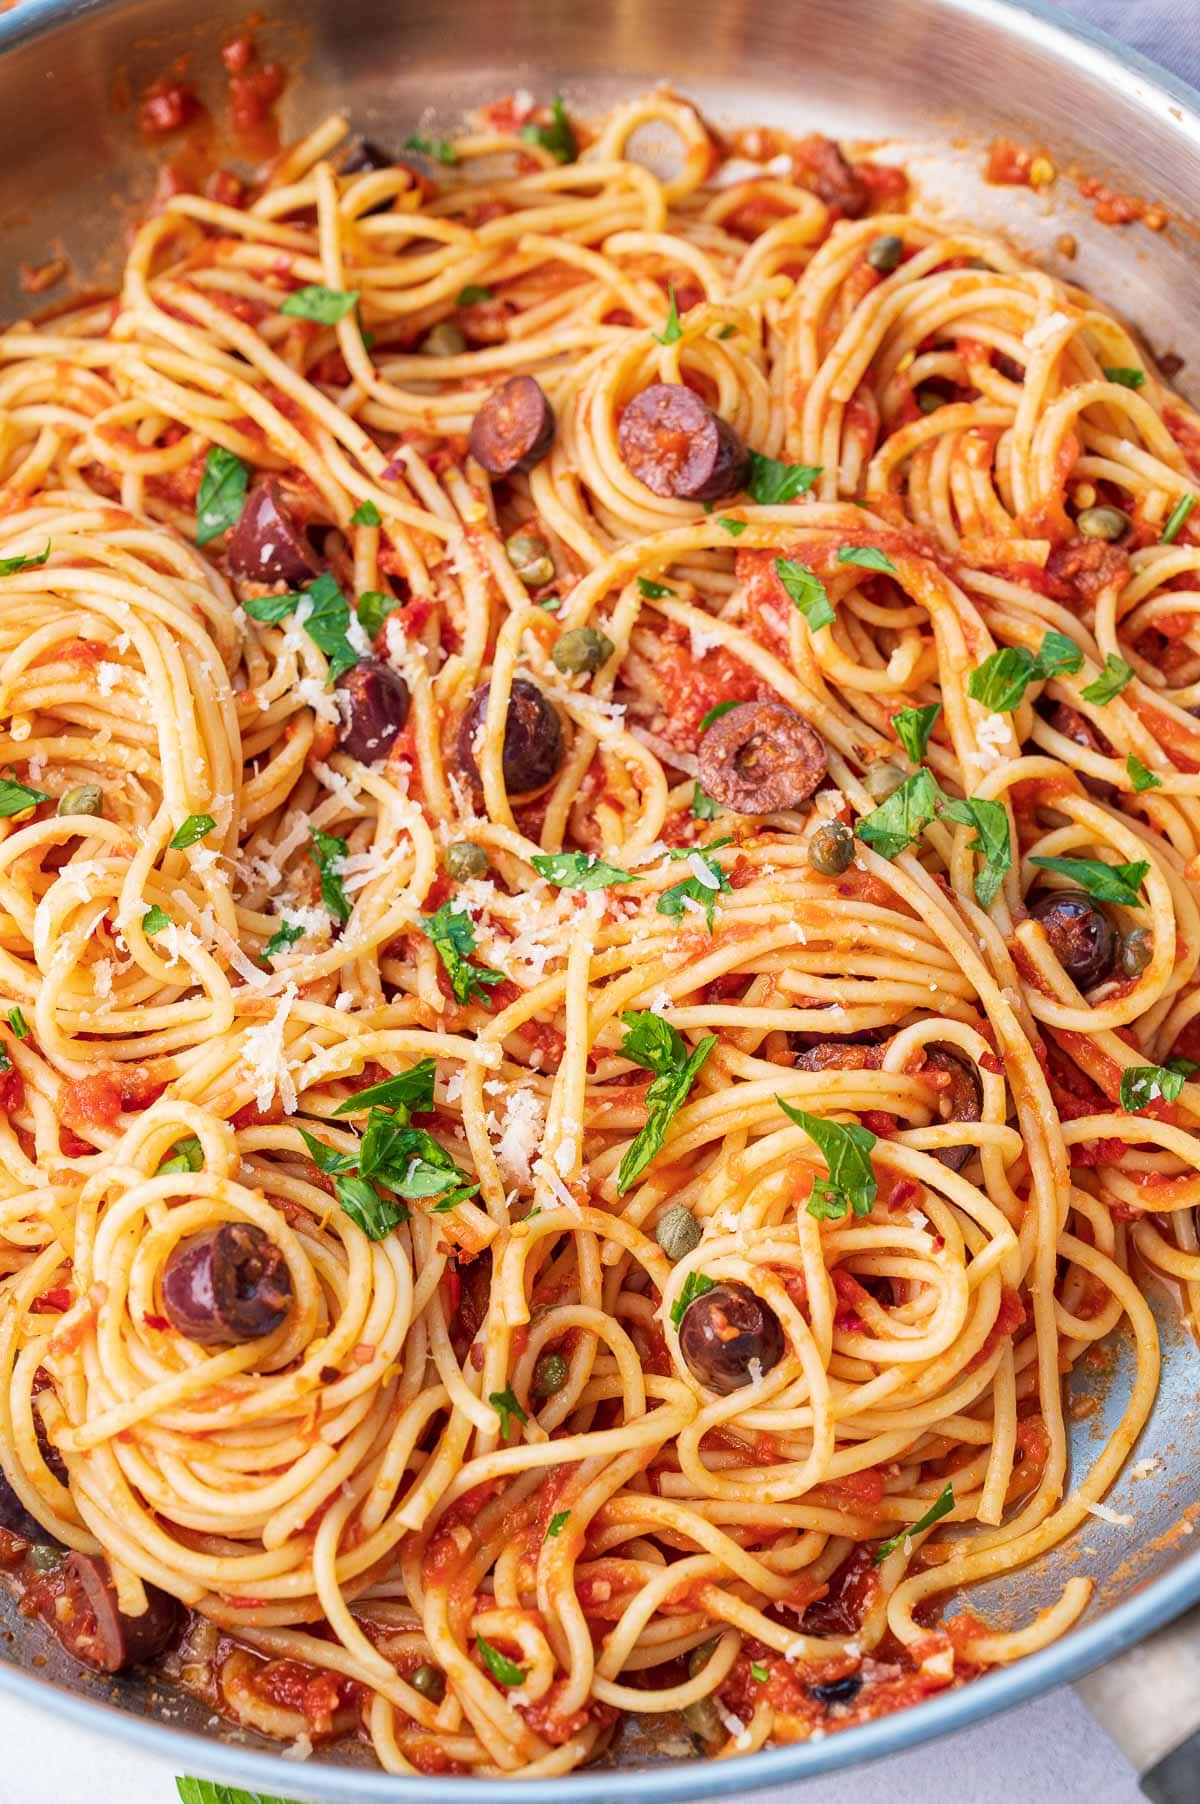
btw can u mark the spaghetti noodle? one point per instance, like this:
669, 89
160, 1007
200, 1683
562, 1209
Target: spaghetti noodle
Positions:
734, 1188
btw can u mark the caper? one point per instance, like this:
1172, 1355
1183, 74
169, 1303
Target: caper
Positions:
884, 253
831, 849
583, 649
549, 1375
44, 1556
429, 1682
85, 798
463, 860
677, 1232
699, 1657
445, 340
1103, 522
883, 780
1137, 949
530, 558
703, 1719
928, 400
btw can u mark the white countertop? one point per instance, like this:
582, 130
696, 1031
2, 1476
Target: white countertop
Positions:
1044, 1753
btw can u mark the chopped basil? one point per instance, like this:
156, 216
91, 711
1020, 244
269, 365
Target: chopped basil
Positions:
328, 853
18, 1023
672, 331
579, 870
557, 1523
703, 806
185, 1155
652, 591
1107, 882
1126, 377
31, 560
194, 828
716, 713
366, 514
903, 818
771, 482
411, 1090
326, 619
735, 528
658, 1047
283, 937
1144, 1084
992, 841
727, 331
451, 932
373, 609
935, 1512
323, 305
806, 590
154, 920
913, 727
499, 1665
1141, 778
472, 294
15, 797
1110, 682
376, 1215
222, 494
696, 1284
1000, 681
411, 1162
1178, 515
270, 609
851, 1183
506, 1407
326, 1158
759, 1672
702, 889
440, 149
867, 557
557, 137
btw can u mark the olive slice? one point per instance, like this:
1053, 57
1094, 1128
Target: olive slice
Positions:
228, 1285
374, 704
761, 757
91, 1625
514, 428
678, 447
267, 546
533, 738
961, 1099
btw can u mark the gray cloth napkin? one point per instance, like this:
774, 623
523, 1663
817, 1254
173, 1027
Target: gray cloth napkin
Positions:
1167, 31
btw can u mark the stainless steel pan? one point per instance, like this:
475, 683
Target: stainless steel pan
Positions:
938, 77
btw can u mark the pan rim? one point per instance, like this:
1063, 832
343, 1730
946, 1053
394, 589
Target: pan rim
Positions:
688, 1781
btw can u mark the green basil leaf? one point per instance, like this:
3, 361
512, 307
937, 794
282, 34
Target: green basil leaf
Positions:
284, 936
903, 818
806, 590
664, 1098
992, 841
913, 727
271, 609
376, 1215
847, 1151
440, 149
15, 797
185, 1155
696, 1284
222, 494
702, 890
506, 1407
867, 557
759, 1672
716, 713
411, 1089
1126, 377
194, 828
771, 482
703, 807
1185, 1067
673, 331
366, 514
735, 528
373, 609
1141, 778
499, 1665
556, 1525
472, 294
452, 934
327, 621
154, 920
18, 1023
329, 853
207, 1791
579, 870
327, 1159
1110, 682
323, 305
935, 1512
29, 560
652, 591
1144, 1084
652, 1042
1107, 882
557, 137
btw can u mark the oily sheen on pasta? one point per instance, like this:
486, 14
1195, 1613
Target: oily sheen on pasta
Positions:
741, 835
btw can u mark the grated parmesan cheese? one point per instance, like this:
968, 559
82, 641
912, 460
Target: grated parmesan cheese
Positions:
1108, 1515
520, 1131
264, 1060
1045, 329
1144, 1467
107, 677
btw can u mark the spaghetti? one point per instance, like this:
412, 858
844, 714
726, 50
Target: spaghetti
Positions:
597, 1000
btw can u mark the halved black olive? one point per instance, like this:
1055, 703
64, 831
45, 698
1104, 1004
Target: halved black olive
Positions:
1081, 936
514, 428
91, 1625
533, 738
267, 546
727, 1331
228, 1285
837, 1691
962, 1097
374, 701
760, 757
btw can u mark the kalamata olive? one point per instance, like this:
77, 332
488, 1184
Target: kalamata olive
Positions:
1137, 949
443, 340
429, 1682
85, 798
267, 546
228, 1285
15, 1517
677, 1232
549, 1375
674, 443
1081, 731
374, 705
725, 1333
514, 428
1081, 935
929, 399
1103, 523
839, 1055
530, 558
831, 178
93, 1628
533, 738
884, 253
365, 157
761, 757
581, 651
831, 849
463, 860
959, 1100
837, 1691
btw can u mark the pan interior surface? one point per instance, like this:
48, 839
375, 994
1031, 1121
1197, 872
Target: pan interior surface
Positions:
927, 82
